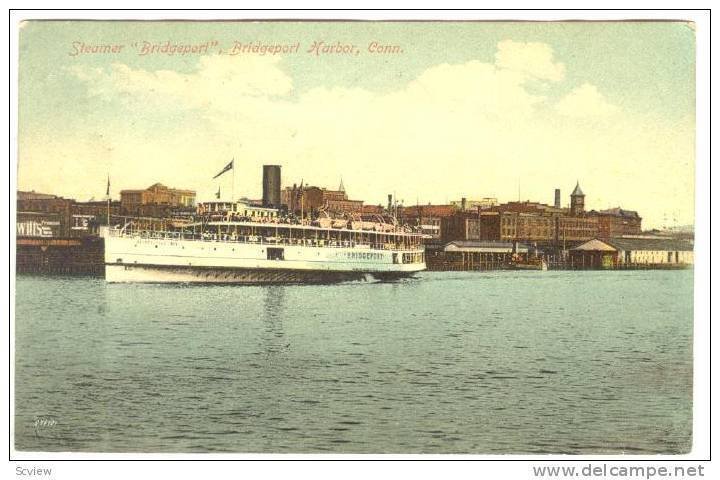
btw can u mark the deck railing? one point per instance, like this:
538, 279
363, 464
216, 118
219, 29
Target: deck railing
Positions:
262, 240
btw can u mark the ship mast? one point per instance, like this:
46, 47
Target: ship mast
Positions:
108, 201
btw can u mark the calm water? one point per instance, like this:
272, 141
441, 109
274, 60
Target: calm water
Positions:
500, 362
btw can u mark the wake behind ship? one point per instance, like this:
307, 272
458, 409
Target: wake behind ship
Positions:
231, 245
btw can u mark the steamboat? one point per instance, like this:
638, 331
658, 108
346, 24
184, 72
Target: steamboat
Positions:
239, 243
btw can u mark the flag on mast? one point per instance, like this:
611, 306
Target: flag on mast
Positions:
217, 195
227, 167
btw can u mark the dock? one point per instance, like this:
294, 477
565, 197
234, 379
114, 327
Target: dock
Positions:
61, 256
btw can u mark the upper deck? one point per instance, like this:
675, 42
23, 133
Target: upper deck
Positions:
281, 233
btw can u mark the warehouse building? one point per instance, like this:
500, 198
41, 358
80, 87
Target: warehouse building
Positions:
633, 252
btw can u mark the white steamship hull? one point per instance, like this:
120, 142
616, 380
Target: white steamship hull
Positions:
158, 260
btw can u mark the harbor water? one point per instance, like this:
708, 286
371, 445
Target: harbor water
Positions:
453, 362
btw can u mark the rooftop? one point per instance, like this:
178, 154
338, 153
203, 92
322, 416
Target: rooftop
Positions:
33, 195
526, 207
637, 243
626, 243
578, 191
619, 212
427, 210
158, 186
483, 246
372, 209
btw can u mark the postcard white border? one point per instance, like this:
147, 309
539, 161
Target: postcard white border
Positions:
507, 468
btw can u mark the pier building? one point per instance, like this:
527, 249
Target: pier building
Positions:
633, 252
473, 255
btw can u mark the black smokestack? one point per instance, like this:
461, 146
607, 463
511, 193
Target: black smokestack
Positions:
557, 198
271, 185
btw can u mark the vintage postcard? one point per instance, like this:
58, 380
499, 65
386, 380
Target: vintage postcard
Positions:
355, 237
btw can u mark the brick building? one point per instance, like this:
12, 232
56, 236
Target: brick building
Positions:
157, 195
616, 222
545, 225
470, 204
315, 199
460, 226
40, 214
373, 209
57, 211
98, 210
428, 218
64, 217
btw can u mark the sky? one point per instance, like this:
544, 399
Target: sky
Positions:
454, 109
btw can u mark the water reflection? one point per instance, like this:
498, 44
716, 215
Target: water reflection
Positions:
273, 339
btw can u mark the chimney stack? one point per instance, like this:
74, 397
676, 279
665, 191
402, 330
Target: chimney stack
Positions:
463, 203
271, 186
389, 202
557, 198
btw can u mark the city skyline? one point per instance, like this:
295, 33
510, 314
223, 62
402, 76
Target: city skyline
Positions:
515, 106
115, 194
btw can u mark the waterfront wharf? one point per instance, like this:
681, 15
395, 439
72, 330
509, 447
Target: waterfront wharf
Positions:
60, 256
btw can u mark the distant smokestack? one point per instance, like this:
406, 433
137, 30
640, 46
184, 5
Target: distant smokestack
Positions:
389, 202
557, 198
271, 185
463, 204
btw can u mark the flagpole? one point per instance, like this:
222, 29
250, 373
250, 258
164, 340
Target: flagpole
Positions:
108, 202
232, 190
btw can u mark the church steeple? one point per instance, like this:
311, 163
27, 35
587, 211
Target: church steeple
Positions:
341, 188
